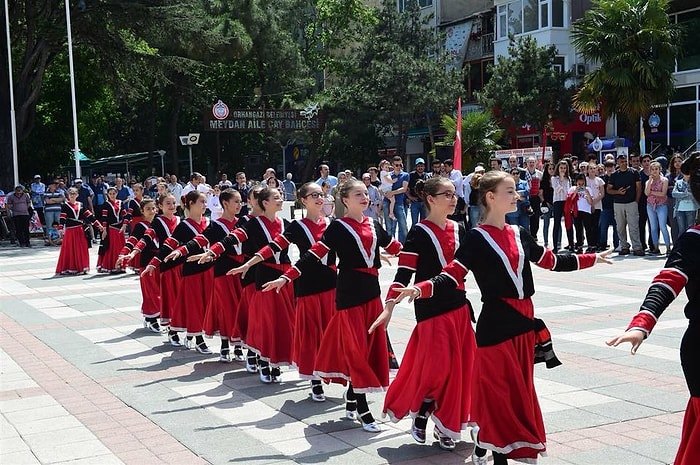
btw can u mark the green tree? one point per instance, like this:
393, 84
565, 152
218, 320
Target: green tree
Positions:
480, 136
636, 45
525, 87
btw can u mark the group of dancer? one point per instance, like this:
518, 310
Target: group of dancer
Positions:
233, 278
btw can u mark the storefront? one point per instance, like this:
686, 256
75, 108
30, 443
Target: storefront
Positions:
572, 137
676, 126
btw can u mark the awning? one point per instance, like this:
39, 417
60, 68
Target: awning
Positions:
127, 159
609, 144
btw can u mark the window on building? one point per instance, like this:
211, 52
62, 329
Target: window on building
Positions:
559, 64
515, 17
425, 3
690, 44
502, 22
682, 126
530, 15
403, 4
557, 13
544, 13
684, 94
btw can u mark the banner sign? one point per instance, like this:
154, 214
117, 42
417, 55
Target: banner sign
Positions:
524, 153
221, 118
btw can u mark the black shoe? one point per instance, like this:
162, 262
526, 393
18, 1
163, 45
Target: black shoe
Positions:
638, 253
624, 252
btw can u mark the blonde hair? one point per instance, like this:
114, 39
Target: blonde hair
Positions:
489, 183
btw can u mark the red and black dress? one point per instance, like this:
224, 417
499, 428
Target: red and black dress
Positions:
150, 303
132, 217
225, 292
347, 353
74, 257
270, 314
314, 291
682, 270
167, 275
505, 408
112, 221
194, 287
439, 359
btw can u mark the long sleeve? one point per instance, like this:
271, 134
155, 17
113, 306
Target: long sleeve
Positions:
228, 243
408, 262
314, 254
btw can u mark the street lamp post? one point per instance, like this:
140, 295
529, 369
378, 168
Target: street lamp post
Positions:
13, 122
76, 150
190, 140
284, 155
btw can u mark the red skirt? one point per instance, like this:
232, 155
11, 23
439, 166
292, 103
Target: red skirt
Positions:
169, 284
191, 303
438, 366
504, 402
74, 257
150, 293
271, 325
115, 243
221, 311
313, 313
240, 328
689, 448
348, 353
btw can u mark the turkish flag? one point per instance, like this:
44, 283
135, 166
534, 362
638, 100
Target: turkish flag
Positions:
457, 156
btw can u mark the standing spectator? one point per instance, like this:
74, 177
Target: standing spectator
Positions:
19, 207
328, 200
584, 207
224, 182
214, 204
607, 212
375, 198
99, 190
52, 205
514, 165
196, 184
644, 223
521, 215
547, 195
437, 169
399, 189
339, 210
123, 191
495, 164
685, 208
455, 176
656, 189
37, 190
597, 185
533, 176
625, 187
326, 176
152, 188
674, 174
471, 196
85, 196
290, 189
241, 186
417, 205
374, 176
561, 183
175, 188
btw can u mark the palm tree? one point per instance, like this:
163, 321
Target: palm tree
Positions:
636, 45
480, 135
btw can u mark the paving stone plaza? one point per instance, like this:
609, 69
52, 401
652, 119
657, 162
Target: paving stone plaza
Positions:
83, 383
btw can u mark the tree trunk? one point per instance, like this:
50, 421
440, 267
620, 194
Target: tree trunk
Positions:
172, 131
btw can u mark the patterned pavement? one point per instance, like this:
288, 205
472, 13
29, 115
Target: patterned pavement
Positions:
83, 383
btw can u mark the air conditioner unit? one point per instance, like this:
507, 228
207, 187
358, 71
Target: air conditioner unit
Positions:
579, 69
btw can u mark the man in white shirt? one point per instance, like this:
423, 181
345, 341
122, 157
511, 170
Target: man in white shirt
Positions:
455, 176
224, 183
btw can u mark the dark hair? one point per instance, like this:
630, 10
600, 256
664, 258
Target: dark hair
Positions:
566, 162
254, 192
265, 194
691, 167
325, 183
580, 177
303, 191
195, 175
430, 187
397, 158
227, 194
609, 163
162, 197
644, 157
145, 202
671, 164
448, 162
190, 198
546, 177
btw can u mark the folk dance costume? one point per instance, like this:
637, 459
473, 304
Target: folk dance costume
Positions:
225, 293
166, 274
505, 412
347, 353
150, 304
112, 221
270, 314
436, 371
240, 327
314, 292
194, 287
74, 257
133, 216
682, 270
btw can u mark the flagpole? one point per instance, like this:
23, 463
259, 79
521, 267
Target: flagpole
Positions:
76, 150
13, 121
457, 155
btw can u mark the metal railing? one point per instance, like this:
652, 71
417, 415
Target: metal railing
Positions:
479, 47
694, 144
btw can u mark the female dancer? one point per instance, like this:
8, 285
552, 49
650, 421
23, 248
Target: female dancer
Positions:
74, 257
187, 311
166, 275
348, 353
271, 317
113, 239
682, 270
561, 183
150, 303
314, 290
226, 290
437, 366
505, 413
132, 208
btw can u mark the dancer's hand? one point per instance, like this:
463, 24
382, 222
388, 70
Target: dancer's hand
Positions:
411, 292
602, 257
104, 233
633, 336
385, 258
383, 317
148, 271
242, 270
124, 258
277, 284
206, 257
174, 255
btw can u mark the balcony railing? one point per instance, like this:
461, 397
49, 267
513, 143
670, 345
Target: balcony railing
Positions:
479, 47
